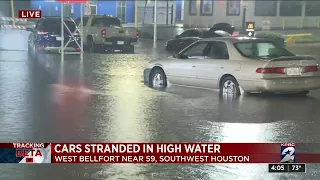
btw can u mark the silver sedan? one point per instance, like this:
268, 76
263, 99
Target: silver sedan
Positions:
235, 65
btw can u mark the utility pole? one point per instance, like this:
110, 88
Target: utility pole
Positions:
12, 11
167, 22
136, 13
155, 25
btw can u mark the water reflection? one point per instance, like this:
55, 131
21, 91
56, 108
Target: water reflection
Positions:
14, 89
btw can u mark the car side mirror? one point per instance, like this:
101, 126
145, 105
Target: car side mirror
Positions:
177, 36
182, 56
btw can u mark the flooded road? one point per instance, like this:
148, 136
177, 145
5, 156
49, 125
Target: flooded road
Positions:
124, 110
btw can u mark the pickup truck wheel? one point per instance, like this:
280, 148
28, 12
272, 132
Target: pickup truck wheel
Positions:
91, 45
131, 50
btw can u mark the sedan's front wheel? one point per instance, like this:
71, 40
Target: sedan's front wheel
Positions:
158, 79
229, 86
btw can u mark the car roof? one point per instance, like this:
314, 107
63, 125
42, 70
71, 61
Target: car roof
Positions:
190, 38
56, 17
195, 29
106, 16
234, 39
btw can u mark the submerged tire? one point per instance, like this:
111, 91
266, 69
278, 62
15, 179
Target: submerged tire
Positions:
229, 86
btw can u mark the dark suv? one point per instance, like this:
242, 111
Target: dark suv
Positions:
46, 36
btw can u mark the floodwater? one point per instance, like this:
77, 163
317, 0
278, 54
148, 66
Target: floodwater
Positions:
122, 109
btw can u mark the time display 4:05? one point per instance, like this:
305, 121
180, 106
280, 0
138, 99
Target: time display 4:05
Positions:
279, 168
275, 168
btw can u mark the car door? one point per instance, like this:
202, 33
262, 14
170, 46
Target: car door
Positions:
210, 69
185, 43
182, 69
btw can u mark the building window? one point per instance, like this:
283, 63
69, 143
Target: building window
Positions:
206, 8
193, 8
121, 10
312, 8
233, 7
290, 8
93, 9
93, 3
265, 8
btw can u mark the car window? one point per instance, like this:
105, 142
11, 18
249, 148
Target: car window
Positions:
54, 25
85, 21
246, 49
207, 34
193, 34
260, 50
195, 49
106, 22
217, 50
185, 34
263, 48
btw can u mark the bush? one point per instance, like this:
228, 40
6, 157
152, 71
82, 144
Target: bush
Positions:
276, 38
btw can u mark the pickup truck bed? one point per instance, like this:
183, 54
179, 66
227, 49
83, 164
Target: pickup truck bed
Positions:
106, 33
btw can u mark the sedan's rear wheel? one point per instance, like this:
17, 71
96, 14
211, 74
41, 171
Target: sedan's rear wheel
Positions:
158, 79
229, 87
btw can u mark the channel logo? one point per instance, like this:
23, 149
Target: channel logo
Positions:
288, 152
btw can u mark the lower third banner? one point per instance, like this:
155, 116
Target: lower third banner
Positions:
154, 153
25, 153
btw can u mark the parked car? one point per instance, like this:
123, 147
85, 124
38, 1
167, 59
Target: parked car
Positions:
177, 45
45, 36
223, 27
190, 36
277, 38
231, 64
103, 32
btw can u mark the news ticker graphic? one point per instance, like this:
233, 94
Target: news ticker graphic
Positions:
25, 153
189, 153
286, 167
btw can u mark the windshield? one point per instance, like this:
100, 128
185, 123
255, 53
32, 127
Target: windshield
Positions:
106, 22
261, 50
54, 25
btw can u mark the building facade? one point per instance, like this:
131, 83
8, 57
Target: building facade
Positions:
279, 14
168, 11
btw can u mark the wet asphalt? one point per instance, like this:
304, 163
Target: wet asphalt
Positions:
124, 110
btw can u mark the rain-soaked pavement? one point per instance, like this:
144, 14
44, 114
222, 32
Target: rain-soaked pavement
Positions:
124, 110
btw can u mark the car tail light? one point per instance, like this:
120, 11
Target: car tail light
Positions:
103, 32
310, 69
273, 70
78, 49
137, 32
41, 48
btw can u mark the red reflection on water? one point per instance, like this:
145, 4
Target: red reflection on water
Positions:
70, 100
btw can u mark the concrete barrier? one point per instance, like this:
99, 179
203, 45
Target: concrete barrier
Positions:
15, 40
290, 41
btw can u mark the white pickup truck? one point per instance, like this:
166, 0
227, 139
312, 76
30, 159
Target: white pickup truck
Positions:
101, 32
